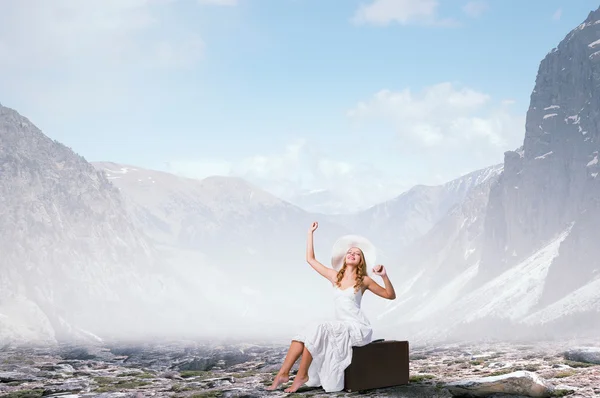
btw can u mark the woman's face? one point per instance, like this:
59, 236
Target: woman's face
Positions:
353, 256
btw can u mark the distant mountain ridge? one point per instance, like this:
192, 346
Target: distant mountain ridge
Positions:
397, 223
214, 214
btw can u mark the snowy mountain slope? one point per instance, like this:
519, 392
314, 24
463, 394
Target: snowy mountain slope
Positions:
512, 294
585, 299
450, 251
395, 224
508, 298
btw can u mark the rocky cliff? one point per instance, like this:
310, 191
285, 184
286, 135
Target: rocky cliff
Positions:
72, 262
551, 182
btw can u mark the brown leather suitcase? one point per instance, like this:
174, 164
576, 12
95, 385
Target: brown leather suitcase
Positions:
379, 364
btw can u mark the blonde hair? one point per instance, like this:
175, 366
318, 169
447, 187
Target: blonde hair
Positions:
361, 271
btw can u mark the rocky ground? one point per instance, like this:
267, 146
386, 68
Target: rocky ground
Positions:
243, 370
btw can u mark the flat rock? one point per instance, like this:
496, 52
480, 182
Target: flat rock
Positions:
522, 383
68, 387
7, 377
584, 354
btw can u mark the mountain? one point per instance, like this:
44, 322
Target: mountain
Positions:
226, 218
551, 185
322, 201
254, 239
452, 247
552, 182
537, 259
73, 263
397, 223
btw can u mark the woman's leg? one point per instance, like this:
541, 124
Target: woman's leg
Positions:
302, 375
283, 376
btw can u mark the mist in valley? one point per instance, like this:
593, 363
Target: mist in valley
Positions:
154, 220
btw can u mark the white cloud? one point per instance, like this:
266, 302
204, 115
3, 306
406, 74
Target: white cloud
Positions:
38, 34
74, 57
476, 8
448, 127
299, 170
557, 14
404, 12
437, 134
440, 115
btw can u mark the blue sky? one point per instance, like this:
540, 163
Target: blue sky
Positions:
364, 98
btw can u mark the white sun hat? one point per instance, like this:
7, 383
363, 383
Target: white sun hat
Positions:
341, 246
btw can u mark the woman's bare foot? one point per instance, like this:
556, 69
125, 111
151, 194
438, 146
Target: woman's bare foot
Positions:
279, 380
298, 382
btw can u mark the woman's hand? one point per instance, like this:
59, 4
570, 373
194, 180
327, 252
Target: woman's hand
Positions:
313, 227
379, 270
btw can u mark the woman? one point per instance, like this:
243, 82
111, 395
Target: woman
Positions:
327, 350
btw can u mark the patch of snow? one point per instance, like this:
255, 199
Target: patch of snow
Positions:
544, 155
122, 170
446, 295
401, 292
550, 115
593, 161
551, 107
90, 334
594, 55
594, 44
468, 253
583, 299
574, 118
513, 293
521, 151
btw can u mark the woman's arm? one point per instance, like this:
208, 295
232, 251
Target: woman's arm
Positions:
388, 292
326, 272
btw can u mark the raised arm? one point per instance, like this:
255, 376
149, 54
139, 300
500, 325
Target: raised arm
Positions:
328, 273
386, 292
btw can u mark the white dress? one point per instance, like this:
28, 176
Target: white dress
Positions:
330, 343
